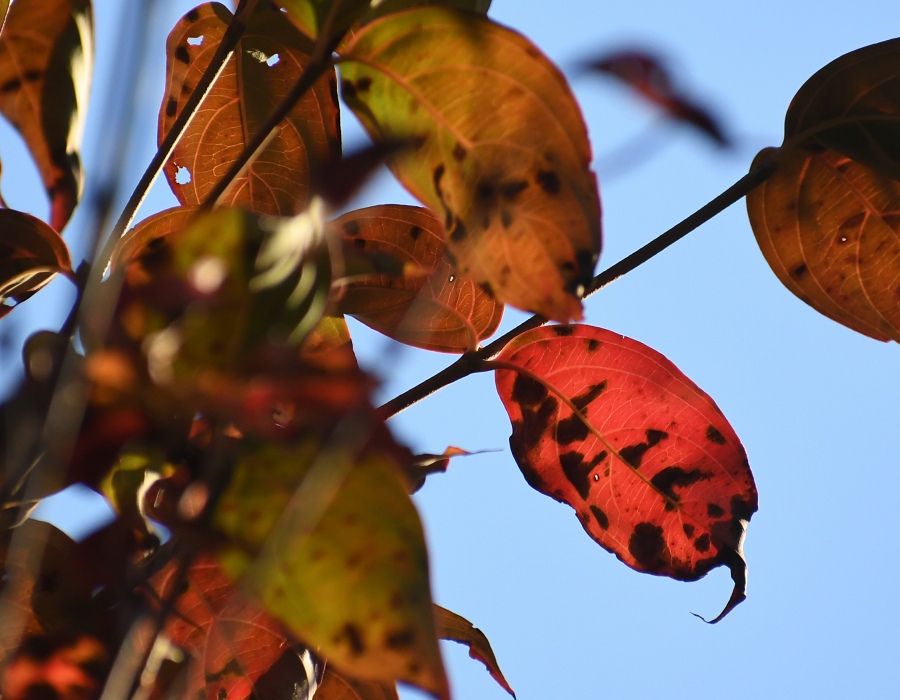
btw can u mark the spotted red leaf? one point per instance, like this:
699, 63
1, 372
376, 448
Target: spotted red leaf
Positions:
430, 306
652, 468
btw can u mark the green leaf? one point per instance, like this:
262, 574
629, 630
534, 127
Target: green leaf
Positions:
425, 304
268, 59
333, 545
515, 191
31, 254
46, 60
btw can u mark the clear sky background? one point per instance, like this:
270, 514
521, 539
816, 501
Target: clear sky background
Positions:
815, 404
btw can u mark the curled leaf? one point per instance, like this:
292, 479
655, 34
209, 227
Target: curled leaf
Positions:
653, 470
515, 192
46, 61
426, 304
459, 629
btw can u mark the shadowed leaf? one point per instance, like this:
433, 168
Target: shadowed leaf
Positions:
459, 629
341, 558
233, 641
424, 465
46, 60
31, 254
266, 63
647, 76
503, 156
829, 227
429, 307
653, 470
337, 687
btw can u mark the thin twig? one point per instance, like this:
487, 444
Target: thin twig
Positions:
472, 362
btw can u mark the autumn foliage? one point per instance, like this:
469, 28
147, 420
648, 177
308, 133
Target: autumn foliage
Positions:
205, 382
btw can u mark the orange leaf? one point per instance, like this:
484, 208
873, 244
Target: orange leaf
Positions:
653, 470
436, 310
46, 59
503, 154
267, 61
337, 687
31, 254
459, 629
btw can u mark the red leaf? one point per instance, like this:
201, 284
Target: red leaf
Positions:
650, 78
651, 466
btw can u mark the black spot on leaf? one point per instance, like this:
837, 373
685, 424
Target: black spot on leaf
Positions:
351, 228
647, 546
192, 15
536, 421
634, 454
527, 391
571, 429
714, 511
511, 190
688, 529
593, 345
415, 232
585, 399
577, 471
740, 508
458, 233
505, 218
701, 544
487, 289
351, 635
563, 331
602, 518
713, 435
400, 639
599, 458
348, 90
359, 243
459, 153
548, 181
171, 107
799, 271
181, 54
671, 477
363, 84
436, 176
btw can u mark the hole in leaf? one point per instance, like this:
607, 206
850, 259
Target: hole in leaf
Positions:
451, 278
262, 57
273, 59
195, 40
182, 175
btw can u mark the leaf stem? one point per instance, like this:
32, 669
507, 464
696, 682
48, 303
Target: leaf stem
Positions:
474, 362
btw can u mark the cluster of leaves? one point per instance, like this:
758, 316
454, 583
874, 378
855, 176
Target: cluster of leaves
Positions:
214, 389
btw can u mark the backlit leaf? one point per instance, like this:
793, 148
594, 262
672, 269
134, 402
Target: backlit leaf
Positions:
459, 629
503, 155
341, 558
829, 227
653, 470
233, 641
337, 687
429, 307
31, 254
46, 59
851, 106
266, 63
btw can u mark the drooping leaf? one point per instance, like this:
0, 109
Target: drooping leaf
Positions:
31, 254
341, 558
459, 629
46, 61
829, 227
653, 470
337, 687
649, 77
267, 61
235, 645
429, 307
851, 106
503, 156
424, 465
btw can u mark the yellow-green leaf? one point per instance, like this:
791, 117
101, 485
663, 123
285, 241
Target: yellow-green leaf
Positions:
268, 59
46, 59
829, 227
503, 154
31, 254
333, 545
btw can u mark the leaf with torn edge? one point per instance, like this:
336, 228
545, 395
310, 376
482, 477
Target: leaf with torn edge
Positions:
503, 156
653, 469
46, 61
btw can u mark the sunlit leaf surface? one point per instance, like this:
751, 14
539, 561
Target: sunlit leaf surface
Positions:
266, 63
503, 155
45, 77
337, 687
459, 629
429, 306
653, 470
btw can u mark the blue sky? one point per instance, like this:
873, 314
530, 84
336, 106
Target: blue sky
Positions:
814, 403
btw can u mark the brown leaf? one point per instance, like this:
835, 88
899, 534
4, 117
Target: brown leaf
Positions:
31, 254
46, 60
429, 307
337, 687
652, 468
267, 61
459, 629
829, 228
515, 191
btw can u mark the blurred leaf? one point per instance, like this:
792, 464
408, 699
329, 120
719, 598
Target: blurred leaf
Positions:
235, 645
424, 465
429, 307
653, 470
46, 60
851, 106
337, 687
459, 629
330, 18
388, 6
339, 179
44, 666
341, 557
647, 76
31, 254
515, 191
267, 61
829, 227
